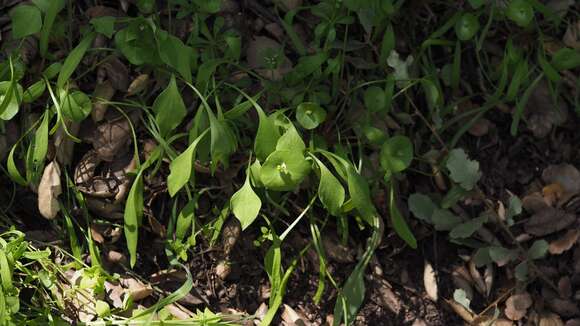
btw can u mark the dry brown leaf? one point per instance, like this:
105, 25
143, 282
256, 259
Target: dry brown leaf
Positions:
477, 278
115, 257
230, 234
114, 293
48, 191
291, 317
138, 84
96, 235
64, 144
388, 298
223, 269
552, 193
534, 203
550, 319
117, 73
156, 227
336, 250
101, 11
136, 289
564, 174
178, 312
565, 242
517, 305
261, 312
488, 276
573, 322
572, 36
461, 311
430, 281
103, 92
503, 322
565, 287
462, 280
548, 221
542, 113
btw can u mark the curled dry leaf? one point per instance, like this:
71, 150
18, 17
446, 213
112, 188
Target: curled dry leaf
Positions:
534, 203
564, 174
96, 235
223, 269
48, 191
117, 73
388, 298
553, 193
103, 93
563, 243
114, 292
64, 144
430, 281
115, 257
503, 322
291, 317
488, 277
136, 289
477, 278
261, 312
111, 139
178, 312
548, 221
138, 84
572, 35
461, 311
230, 234
462, 280
517, 305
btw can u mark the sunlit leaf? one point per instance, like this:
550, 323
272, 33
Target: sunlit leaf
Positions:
76, 106
246, 204
310, 115
73, 59
169, 108
284, 170
330, 191
181, 168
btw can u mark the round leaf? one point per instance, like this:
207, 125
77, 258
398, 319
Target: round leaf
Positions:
375, 99
76, 106
520, 12
310, 115
26, 20
396, 154
284, 170
466, 26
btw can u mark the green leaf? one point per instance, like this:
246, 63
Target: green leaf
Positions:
482, 257
13, 172
387, 44
467, 229
396, 154
399, 223
175, 54
33, 92
223, 141
104, 25
566, 58
146, 6
518, 78
137, 43
181, 168
246, 204
184, 220
330, 191
476, 3
76, 106
291, 141
520, 12
310, 115
422, 206
284, 170
360, 194
353, 293
53, 8
538, 249
521, 104
514, 208
463, 170
26, 20
500, 254
74, 58
133, 216
306, 66
467, 26
169, 108
41, 143
375, 99
10, 93
52, 71
444, 220
521, 271
102, 308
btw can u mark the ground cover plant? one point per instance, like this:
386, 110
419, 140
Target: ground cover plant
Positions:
327, 162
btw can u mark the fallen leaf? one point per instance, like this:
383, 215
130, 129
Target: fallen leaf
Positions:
117, 73
573, 322
548, 221
223, 269
462, 280
534, 203
115, 257
430, 281
542, 113
552, 193
261, 312
480, 128
102, 94
114, 293
96, 235
572, 36
388, 298
48, 191
230, 234
565, 242
136, 289
565, 287
517, 305
291, 317
550, 319
178, 312
138, 84
336, 251
564, 174
503, 322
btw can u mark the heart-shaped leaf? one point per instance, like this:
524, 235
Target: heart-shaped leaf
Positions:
246, 204
396, 154
310, 115
283, 170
